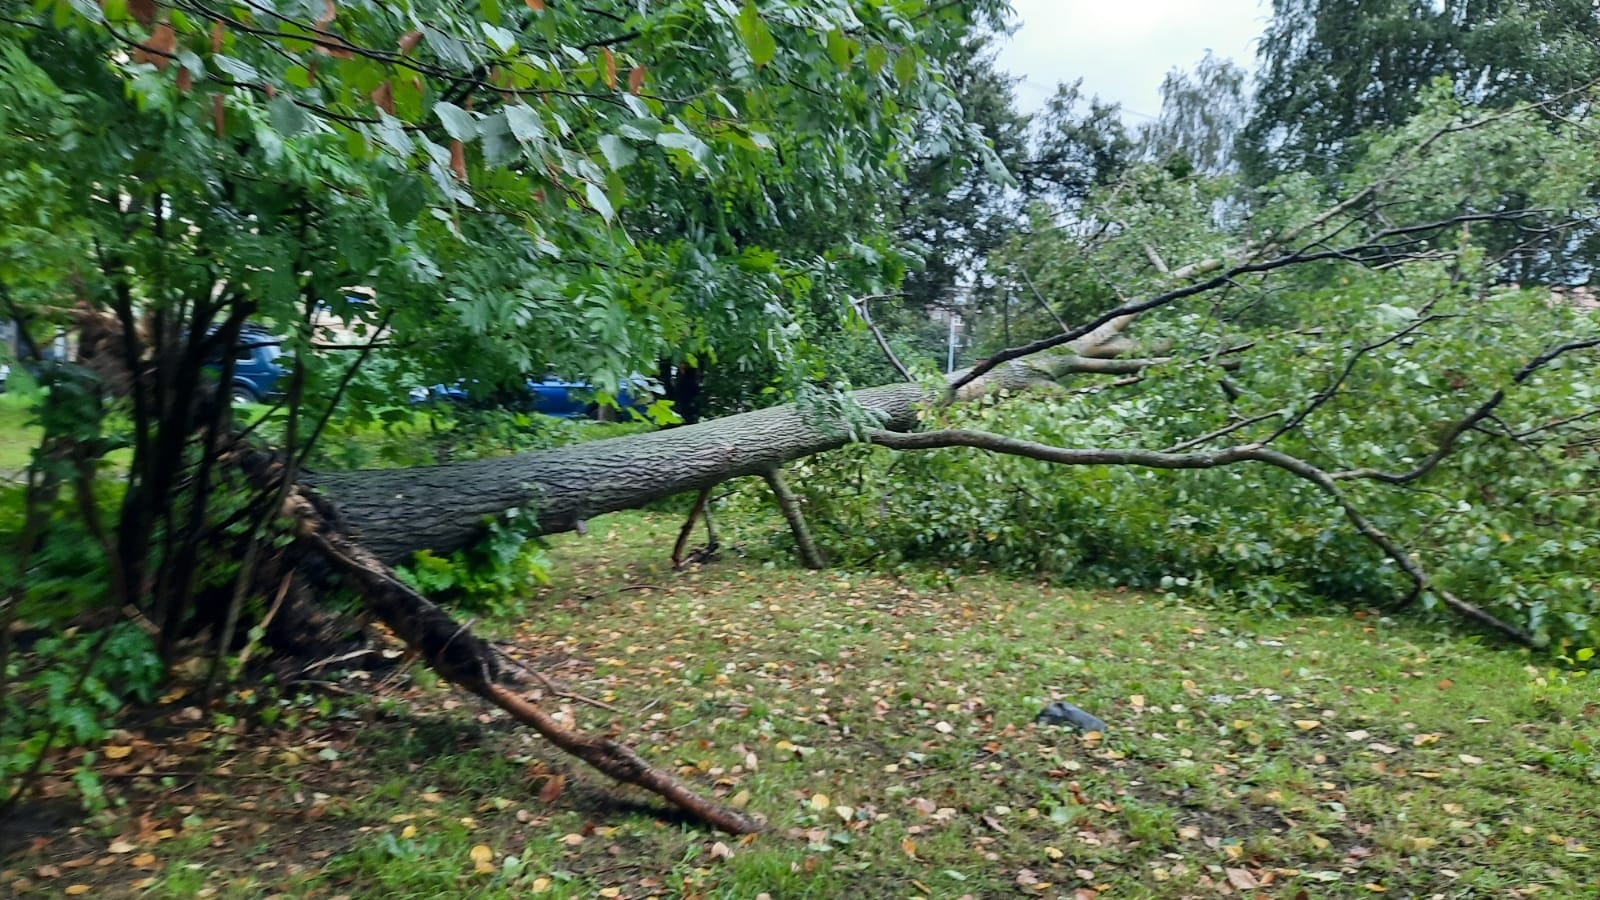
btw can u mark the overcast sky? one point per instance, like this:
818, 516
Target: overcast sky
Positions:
1123, 48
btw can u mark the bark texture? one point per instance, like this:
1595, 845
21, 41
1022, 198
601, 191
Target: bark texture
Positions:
396, 512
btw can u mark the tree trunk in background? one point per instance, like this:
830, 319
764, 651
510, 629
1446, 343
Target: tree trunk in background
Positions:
682, 385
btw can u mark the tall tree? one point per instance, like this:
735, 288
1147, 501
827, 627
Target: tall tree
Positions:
1331, 70
1080, 143
1202, 116
959, 199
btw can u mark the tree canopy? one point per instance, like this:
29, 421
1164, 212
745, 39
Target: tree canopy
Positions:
1331, 72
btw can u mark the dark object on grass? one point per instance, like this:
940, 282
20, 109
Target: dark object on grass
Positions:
1059, 713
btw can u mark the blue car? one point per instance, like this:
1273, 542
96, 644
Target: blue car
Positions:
257, 371
553, 396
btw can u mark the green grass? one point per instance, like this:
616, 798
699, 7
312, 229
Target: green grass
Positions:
17, 437
885, 727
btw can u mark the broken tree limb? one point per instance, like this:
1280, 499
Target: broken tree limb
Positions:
877, 335
1212, 459
695, 512
620, 762
810, 557
1382, 246
452, 650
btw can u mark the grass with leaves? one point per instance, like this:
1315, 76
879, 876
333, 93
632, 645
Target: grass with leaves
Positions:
886, 728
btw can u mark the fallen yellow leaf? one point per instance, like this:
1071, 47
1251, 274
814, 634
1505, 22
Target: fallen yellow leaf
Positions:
74, 890
540, 885
408, 832
820, 801
118, 752
1307, 724
482, 854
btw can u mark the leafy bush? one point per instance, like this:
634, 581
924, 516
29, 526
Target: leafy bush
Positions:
66, 692
493, 575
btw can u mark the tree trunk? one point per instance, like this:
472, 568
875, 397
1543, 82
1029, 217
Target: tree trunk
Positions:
396, 512
443, 508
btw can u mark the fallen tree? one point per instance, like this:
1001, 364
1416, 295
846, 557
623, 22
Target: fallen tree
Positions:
396, 512
270, 238
383, 516
390, 514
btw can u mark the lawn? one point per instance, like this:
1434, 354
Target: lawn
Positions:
17, 437
885, 727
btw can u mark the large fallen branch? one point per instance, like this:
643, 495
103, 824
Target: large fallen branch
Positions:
1254, 452
461, 657
396, 512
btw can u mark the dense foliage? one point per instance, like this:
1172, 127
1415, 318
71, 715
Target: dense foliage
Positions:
589, 189
1359, 363
1333, 72
740, 200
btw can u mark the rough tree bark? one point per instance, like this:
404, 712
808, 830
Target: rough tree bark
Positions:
395, 512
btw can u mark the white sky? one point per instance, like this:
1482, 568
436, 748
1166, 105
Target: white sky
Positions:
1123, 48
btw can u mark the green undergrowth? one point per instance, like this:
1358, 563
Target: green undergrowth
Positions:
885, 727
18, 436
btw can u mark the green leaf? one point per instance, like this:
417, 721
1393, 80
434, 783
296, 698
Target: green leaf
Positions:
449, 49
287, 119
617, 152
90, 10
877, 58
407, 196
458, 123
525, 124
757, 38
237, 69
841, 49
393, 135
905, 68
679, 140
599, 200
640, 129
499, 38
1585, 654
